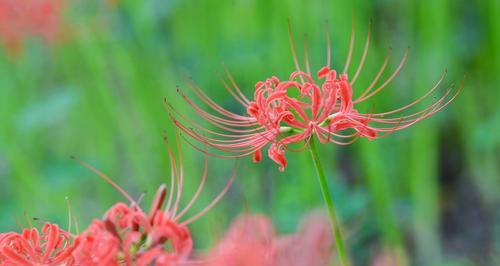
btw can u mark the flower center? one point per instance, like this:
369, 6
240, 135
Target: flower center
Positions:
314, 105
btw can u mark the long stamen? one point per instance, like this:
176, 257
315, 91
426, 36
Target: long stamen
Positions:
198, 191
173, 171
69, 213
365, 52
410, 118
215, 200
351, 48
221, 144
173, 111
235, 122
236, 154
306, 55
328, 47
441, 79
242, 133
432, 109
206, 99
107, 179
377, 77
180, 175
228, 88
292, 47
242, 95
396, 72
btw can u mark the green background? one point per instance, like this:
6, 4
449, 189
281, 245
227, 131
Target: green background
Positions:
429, 193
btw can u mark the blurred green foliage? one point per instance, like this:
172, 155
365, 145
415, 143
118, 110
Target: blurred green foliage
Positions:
429, 193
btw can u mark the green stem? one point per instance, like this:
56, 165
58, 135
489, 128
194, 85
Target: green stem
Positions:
329, 203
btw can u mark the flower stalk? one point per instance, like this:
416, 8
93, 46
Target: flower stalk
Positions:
344, 260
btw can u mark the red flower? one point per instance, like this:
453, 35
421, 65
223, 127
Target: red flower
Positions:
249, 241
253, 241
22, 19
283, 112
128, 235
50, 248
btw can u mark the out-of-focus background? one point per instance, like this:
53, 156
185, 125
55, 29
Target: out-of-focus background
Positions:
90, 84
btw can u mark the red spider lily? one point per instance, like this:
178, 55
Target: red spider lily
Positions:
22, 19
249, 241
50, 248
252, 241
325, 107
127, 235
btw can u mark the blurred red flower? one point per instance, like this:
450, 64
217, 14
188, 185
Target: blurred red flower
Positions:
21, 19
252, 241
